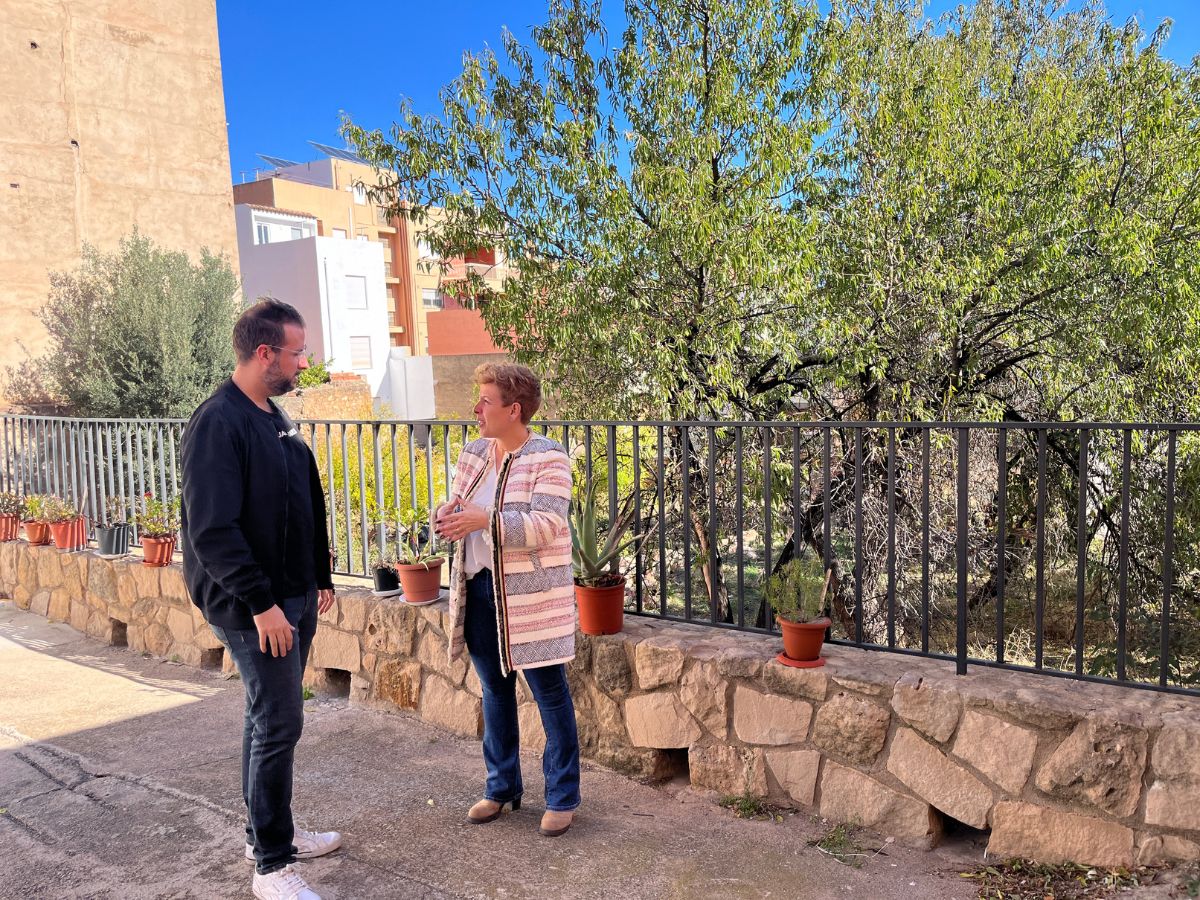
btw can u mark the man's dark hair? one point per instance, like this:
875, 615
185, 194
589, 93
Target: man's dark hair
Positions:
263, 323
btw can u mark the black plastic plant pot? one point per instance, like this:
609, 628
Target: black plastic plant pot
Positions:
112, 540
386, 580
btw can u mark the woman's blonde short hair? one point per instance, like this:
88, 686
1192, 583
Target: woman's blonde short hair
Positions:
517, 384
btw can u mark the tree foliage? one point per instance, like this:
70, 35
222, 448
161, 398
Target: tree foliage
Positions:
743, 204
140, 332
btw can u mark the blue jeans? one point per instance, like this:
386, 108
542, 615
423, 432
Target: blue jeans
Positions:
501, 738
274, 720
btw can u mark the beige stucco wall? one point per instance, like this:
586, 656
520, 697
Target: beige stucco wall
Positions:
116, 118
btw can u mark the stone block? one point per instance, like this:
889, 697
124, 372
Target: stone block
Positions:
732, 771
658, 664
812, 684
703, 693
156, 639
529, 722
1101, 763
610, 666
433, 652
1052, 836
22, 596
660, 721
398, 682
59, 608
1174, 804
848, 795
931, 708
332, 649
795, 771
939, 781
79, 615
49, 568
391, 628
851, 727
872, 684
352, 610
181, 625
1177, 747
766, 719
1156, 850
998, 749
452, 709
99, 626
145, 579
742, 661
185, 653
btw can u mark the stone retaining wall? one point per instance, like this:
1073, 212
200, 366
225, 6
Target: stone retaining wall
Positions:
1055, 770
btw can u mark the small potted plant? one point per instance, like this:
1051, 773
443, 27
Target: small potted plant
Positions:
11, 508
157, 523
595, 559
383, 570
66, 524
112, 537
420, 572
34, 517
797, 594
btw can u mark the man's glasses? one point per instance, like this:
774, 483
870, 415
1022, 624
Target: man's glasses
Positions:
298, 354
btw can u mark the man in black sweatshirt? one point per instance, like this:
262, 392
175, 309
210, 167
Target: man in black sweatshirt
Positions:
256, 562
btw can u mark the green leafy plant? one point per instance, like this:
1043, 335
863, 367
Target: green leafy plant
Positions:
382, 559
58, 509
595, 548
412, 523
316, 373
157, 518
114, 511
797, 590
11, 503
36, 507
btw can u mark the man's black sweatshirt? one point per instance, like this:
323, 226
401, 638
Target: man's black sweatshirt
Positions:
253, 512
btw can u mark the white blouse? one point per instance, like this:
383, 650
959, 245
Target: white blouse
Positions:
479, 543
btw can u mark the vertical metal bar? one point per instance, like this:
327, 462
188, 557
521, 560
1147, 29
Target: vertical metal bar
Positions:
587, 457
171, 455
827, 501
768, 615
964, 456
447, 480
610, 450
345, 467
1123, 562
686, 519
1001, 535
332, 486
797, 497
891, 538
858, 535
1039, 608
1168, 564
431, 502
1081, 549
364, 539
412, 469
162, 465
714, 591
638, 559
663, 591
925, 467
740, 524
95, 492
380, 504
396, 470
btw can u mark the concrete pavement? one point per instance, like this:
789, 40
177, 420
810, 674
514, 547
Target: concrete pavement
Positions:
119, 778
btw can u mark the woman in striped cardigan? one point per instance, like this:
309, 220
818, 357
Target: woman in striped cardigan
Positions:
512, 598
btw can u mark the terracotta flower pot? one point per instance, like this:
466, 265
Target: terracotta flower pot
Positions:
10, 527
802, 640
69, 535
421, 583
37, 533
157, 551
601, 609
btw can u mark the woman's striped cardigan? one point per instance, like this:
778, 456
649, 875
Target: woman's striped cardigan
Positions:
531, 561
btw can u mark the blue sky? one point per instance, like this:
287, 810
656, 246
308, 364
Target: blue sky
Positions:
289, 68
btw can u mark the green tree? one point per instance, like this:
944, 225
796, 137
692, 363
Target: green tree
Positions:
140, 332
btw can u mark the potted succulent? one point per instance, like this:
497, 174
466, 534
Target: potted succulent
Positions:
34, 517
797, 594
383, 570
66, 524
157, 523
112, 537
420, 572
11, 508
595, 557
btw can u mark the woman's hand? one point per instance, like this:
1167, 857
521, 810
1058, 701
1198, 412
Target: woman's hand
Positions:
461, 519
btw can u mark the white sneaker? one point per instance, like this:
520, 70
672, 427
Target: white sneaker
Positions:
309, 844
282, 884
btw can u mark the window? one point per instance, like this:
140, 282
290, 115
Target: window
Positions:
424, 251
339, 232
360, 353
297, 233
432, 299
360, 194
356, 292
262, 233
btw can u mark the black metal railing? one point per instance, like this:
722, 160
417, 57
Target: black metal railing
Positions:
1069, 549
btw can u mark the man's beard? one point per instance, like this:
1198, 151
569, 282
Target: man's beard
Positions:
277, 382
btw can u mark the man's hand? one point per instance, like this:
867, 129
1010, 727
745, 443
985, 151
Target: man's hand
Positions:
274, 629
325, 599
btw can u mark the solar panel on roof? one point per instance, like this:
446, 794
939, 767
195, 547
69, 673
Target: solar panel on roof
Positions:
276, 161
339, 154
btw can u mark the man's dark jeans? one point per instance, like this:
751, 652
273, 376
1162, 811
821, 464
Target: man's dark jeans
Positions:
274, 720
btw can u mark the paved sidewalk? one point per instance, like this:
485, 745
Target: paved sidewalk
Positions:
119, 779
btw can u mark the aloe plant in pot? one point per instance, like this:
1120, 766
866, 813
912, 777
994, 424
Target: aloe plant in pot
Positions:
796, 593
596, 557
420, 571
